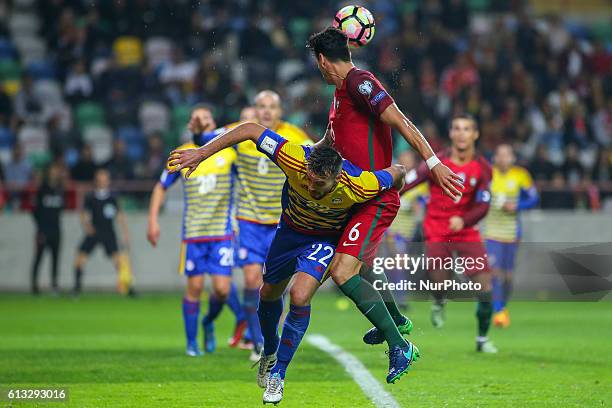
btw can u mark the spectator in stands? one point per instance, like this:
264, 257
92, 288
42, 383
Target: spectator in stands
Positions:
541, 167
119, 165
177, 74
79, 85
27, 105
18, 171
558, 196
84, 169
572, 169
156, 156
602, 124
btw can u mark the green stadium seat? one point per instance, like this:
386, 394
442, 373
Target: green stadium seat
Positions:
181, 115
89, 114
479, 5
172, 137
300, 30
602, 30
9, 70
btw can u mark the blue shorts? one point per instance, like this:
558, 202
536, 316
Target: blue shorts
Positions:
501, 254
254, 241
212, 257
293, 252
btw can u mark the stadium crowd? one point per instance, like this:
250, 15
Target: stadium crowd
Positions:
111, 83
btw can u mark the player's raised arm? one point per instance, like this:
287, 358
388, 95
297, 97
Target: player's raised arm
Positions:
441, 175
191, 158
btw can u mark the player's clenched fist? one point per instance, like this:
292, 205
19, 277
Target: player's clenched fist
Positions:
448, 181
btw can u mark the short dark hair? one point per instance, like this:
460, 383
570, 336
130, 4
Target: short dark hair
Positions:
203, 106
332, 43
463, 115
324, 161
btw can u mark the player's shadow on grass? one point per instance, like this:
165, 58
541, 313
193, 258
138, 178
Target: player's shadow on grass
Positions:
63, 366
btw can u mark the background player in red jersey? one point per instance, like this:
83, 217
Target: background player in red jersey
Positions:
450, 225
360, 122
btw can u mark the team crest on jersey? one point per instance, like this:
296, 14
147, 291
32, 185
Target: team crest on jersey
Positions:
243, 253
336, 200
220, 161
472, 181
510, 184
365, 88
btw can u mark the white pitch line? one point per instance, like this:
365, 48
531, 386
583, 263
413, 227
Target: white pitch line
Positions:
354, 367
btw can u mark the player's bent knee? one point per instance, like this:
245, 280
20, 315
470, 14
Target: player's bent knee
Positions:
253, 276
343, 267
300, 296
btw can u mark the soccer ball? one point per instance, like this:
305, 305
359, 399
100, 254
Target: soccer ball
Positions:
357, 23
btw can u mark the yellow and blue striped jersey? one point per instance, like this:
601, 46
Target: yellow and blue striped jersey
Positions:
261, 182
513, 186
405, 221
328, 215
208, 197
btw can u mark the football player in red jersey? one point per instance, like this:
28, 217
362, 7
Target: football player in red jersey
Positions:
361, 118
450, 226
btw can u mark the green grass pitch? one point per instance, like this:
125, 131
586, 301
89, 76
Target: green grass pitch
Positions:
115, 352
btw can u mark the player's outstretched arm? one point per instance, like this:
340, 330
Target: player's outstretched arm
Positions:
441, 175
190, 158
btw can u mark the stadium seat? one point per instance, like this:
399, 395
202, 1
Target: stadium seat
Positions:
300, 30
131, 135
41, 70
50, 91
100, 138
33, 139
479, 5
30, 49
89, 114
158, 50
6, 138
128, 51
23, 4
7, 50
9, 70
11, 87
23, 24
135, 150
171, 137
181, 115
289, 70
153, 116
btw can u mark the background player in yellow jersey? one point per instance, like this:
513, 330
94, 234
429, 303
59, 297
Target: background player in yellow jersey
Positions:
512, 190
259, 201
207, 245
319, 191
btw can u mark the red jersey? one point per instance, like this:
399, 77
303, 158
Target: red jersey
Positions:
359, 134
472, 206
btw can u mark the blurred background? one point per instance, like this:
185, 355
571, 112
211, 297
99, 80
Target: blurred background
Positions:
87, 84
